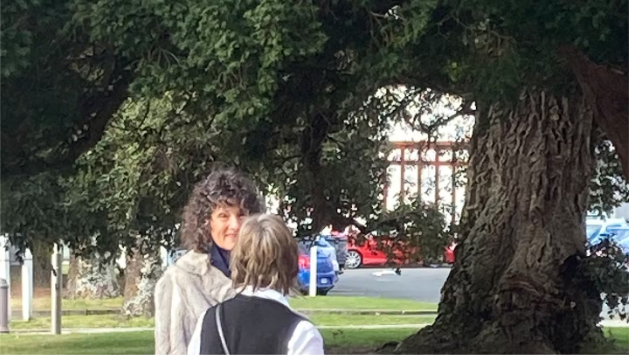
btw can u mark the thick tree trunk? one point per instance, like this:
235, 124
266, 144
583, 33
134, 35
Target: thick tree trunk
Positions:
311, 148
90, 279
516, 286
141, 275
42, 266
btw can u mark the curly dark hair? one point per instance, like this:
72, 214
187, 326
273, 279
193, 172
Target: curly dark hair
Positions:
223, 186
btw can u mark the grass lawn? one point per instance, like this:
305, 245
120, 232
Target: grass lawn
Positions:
43, 303
115, 321
328, 302
340, 302
141, 343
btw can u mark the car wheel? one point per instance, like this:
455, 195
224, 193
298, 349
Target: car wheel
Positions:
354, 259
323, 292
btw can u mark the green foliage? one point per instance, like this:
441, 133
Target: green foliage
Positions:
113, 109
608, 188
420, 226
607, 266
59, 88
412, 232
350, 176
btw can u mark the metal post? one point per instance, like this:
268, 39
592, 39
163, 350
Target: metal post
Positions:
4, 306
56, 283
313, 271
5, 270
27, 286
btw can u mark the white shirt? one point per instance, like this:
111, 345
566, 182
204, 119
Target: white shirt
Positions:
306, 339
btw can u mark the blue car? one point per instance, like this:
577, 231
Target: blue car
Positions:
326, 276
597, 229
621, 237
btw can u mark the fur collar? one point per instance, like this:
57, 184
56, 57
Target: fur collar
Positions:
195, 262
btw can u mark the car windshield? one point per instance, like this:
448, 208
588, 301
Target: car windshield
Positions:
322, 242
592, 230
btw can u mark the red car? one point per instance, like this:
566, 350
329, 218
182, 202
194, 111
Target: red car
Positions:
369, 254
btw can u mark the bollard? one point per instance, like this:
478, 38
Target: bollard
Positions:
4, 306
56, 283
5, 268
27, 286
313, 271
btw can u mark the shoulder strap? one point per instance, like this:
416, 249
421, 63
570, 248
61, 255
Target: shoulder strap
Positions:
219, 326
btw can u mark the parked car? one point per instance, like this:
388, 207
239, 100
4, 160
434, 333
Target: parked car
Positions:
339, 241
595, 227
623, 239
330, 251
370, 254
326, 276
620, 235
617, 230
448, 255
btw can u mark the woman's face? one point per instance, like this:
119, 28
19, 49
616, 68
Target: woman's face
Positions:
225, 224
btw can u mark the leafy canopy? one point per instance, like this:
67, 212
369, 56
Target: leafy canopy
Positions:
130, 102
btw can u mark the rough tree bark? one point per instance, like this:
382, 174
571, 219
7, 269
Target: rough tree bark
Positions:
42, 266
90, 279
141, 275
311, 149
514, 286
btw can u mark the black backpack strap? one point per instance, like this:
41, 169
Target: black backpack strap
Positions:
219, 326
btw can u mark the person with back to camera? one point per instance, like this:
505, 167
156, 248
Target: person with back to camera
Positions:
259, 320
201, 278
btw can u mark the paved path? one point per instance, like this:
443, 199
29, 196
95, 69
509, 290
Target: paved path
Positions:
121, 330
421, 284
605, 323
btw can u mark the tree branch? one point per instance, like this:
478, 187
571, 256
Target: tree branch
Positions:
606, 91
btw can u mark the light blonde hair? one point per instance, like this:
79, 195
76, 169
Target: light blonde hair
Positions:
265, 256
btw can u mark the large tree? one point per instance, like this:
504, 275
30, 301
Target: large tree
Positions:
520, 283
276, 85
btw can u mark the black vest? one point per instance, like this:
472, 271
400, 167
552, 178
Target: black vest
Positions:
251, 326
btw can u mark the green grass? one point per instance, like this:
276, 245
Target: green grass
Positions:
619, 338
131, 343
141, 343
338, 319
115, 321
328, 302
43, 303
83, 321
339, 302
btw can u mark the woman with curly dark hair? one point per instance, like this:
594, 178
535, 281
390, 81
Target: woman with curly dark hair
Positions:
201, 277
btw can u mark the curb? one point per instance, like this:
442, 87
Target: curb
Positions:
605, 323
136, 329
17, 314
367, 311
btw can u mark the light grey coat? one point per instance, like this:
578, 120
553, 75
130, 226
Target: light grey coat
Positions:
185, 291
